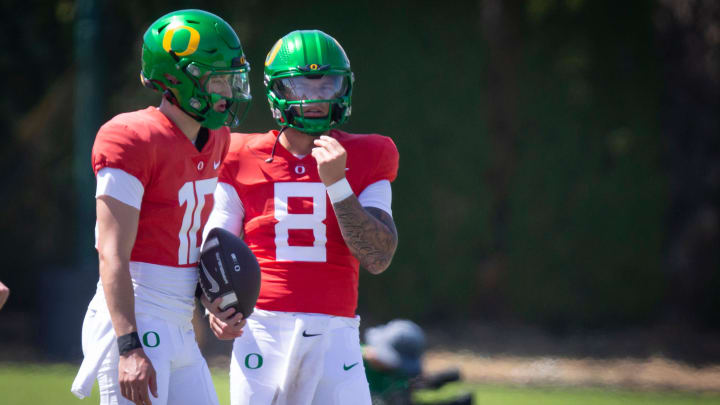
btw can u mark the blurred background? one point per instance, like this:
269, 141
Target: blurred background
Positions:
559, 184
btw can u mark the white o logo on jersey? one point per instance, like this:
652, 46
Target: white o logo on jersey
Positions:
201, 165
300, 169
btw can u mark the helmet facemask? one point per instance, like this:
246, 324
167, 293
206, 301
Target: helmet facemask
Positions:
213, 85
312, 103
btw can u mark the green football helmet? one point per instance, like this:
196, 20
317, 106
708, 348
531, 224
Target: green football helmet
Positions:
308, 82
188, 51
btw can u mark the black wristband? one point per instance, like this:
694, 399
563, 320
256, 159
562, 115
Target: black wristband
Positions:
128, 342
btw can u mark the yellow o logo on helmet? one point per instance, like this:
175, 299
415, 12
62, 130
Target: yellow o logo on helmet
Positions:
314, 66
273, 52
192, 45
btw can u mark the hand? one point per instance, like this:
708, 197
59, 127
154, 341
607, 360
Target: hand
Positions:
227, 326
331, 158
4, 294
214, 307
136, 375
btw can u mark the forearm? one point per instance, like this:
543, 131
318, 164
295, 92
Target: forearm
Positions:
117, 228
119, 294
369, 233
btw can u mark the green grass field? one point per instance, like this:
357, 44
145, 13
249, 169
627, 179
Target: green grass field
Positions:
50, 384
503, 395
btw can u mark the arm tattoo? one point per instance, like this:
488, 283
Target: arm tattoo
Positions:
369, 233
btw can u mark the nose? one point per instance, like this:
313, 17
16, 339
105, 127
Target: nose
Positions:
220, 86
226, 90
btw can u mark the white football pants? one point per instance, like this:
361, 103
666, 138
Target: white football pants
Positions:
164, 303
183, 377
288, 358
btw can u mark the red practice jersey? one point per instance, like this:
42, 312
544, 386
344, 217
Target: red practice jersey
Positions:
290, 224
178, 181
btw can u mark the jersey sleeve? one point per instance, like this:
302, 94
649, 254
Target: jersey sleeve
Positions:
377, 195
228, 211
386, 167
118, 146
119, 185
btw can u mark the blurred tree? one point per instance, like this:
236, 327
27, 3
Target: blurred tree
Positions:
587, 196
35, 161
500, 26
689, 38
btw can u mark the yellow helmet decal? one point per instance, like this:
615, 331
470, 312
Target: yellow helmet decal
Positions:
273, 52
192, 45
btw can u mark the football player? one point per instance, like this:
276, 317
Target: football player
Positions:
313, 204
156, 172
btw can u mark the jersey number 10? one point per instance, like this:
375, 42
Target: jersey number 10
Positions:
192, 194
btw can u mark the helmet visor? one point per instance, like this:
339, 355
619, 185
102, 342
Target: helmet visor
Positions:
227, 92
233, 85
312, 87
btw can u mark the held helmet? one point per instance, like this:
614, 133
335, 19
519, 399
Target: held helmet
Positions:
186, 54
308, 82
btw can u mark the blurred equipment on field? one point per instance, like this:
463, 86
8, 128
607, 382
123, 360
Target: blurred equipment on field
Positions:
392, 356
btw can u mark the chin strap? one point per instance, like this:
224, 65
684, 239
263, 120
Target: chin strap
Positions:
170, 96
272, 152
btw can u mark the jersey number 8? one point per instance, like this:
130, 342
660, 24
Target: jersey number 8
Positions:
288, 221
